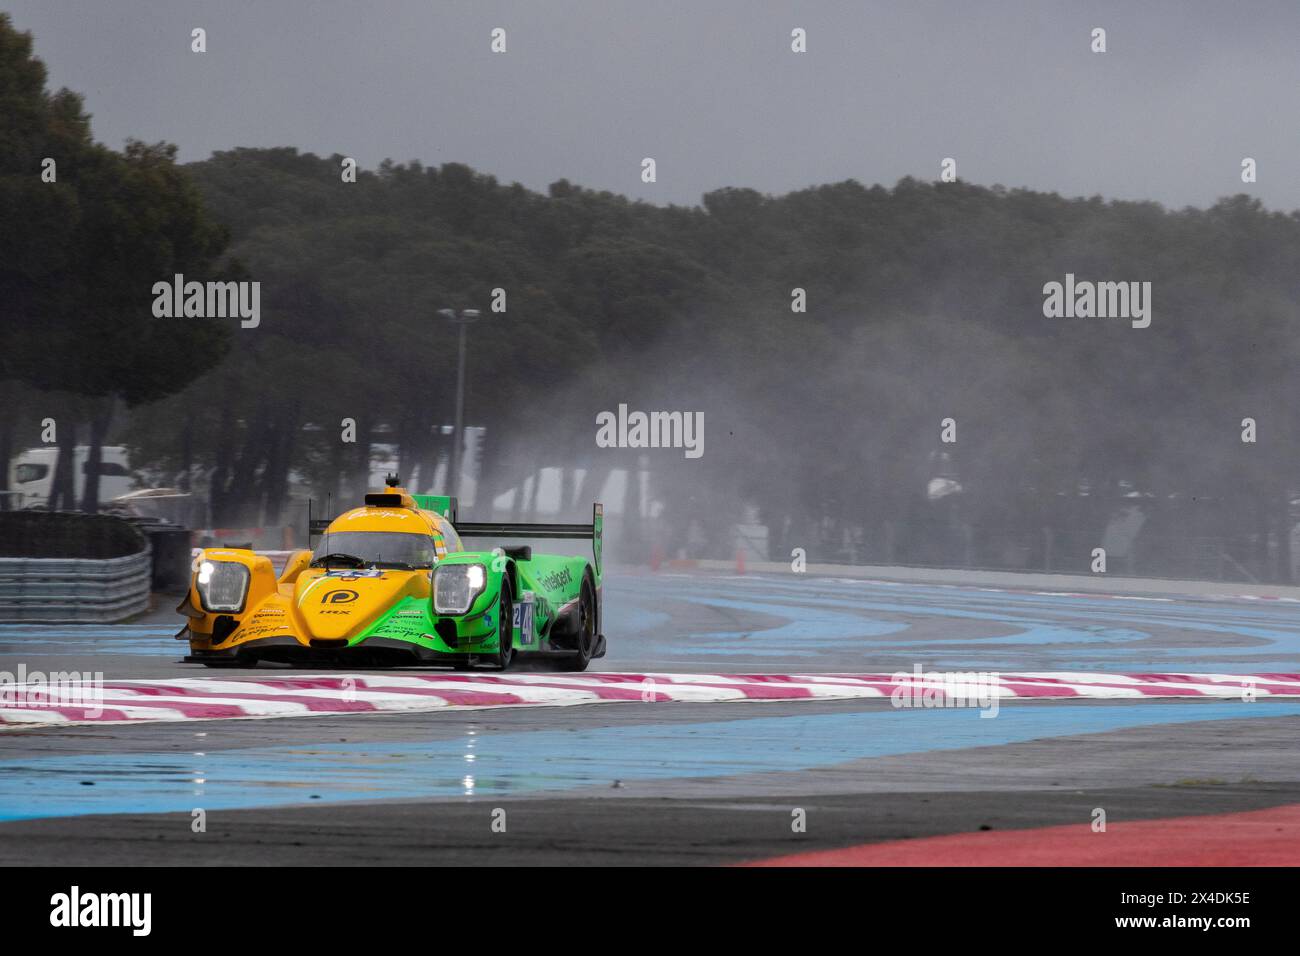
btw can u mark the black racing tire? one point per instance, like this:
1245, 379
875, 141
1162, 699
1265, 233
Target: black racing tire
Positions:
505, 628
586, 637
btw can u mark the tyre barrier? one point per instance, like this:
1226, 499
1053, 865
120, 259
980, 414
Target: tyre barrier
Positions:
75, 590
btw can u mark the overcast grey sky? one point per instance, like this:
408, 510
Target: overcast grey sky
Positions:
711, 89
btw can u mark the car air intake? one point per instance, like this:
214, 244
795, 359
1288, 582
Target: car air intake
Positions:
447, 631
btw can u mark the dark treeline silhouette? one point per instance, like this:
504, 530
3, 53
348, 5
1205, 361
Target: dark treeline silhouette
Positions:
84, 233
924, 303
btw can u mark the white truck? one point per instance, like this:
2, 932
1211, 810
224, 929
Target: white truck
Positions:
31, 476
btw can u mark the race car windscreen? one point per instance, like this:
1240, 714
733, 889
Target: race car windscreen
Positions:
381, 549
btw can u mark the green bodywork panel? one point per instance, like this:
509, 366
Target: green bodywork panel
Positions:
439, 504
555, 580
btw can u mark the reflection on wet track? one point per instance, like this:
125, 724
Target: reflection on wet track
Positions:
505, 764
666, 622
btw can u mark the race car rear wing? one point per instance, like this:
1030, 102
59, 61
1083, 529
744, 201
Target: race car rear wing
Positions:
507, 529
497, 529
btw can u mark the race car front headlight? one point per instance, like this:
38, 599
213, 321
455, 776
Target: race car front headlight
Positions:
223, 585
455, 586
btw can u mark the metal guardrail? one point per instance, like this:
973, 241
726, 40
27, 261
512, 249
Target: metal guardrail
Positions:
74, 590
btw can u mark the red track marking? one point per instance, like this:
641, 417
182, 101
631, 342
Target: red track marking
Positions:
1252, 838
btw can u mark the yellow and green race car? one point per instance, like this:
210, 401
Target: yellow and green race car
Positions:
390, 583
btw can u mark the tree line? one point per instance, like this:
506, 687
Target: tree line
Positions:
924, 302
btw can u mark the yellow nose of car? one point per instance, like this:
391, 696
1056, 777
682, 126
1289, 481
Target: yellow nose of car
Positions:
343, 604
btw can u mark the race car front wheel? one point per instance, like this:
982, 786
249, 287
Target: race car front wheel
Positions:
505, 628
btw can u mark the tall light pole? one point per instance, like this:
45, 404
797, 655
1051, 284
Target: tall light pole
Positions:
462, 318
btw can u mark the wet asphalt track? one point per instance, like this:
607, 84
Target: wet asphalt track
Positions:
674, 782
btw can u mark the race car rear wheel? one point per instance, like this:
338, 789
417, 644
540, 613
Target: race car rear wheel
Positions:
505, 627
586, 638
